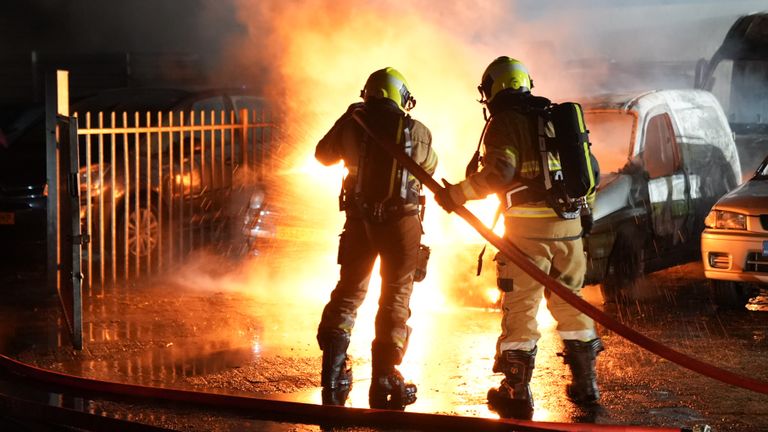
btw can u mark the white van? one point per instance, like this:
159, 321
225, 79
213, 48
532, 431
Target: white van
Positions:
665, 157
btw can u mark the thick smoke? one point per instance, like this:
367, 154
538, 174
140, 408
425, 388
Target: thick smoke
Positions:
313, 56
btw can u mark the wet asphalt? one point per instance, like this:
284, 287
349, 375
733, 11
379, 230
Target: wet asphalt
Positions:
172, 332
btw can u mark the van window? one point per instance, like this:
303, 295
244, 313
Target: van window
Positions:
661, 155
610, 133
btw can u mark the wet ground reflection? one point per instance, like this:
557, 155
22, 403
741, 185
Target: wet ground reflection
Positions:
233, 341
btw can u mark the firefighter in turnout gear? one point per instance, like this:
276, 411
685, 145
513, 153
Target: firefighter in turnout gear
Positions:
383, 206
547, 229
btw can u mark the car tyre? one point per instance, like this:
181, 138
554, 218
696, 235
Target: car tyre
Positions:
623, 280
146, 240
729, 295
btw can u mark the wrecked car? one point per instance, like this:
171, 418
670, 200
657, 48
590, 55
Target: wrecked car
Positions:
665, 156
734, 244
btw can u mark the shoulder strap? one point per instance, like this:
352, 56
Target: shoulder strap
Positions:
408, 148
474, 163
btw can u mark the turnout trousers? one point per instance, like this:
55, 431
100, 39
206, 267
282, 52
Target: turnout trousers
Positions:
396, 241
555, 246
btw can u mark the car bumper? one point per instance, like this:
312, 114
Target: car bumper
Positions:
734, 256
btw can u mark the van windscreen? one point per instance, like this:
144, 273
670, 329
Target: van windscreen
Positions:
610, 133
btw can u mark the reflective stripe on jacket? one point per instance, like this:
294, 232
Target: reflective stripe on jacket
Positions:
511, 149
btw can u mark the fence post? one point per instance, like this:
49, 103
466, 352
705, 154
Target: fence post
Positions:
56, 102
244, 144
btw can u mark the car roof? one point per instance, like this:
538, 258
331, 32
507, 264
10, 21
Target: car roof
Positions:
130, 100
642, 101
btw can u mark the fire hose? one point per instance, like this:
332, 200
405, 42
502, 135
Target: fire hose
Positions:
519, 258
295, 412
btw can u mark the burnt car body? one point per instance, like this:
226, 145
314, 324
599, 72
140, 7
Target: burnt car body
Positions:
665, 156
734, 244
23, 174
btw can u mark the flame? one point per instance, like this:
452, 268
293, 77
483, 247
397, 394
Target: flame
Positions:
314, 56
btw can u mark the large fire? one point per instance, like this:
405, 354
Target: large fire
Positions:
318, 56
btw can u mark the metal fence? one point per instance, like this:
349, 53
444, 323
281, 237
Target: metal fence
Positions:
156, 185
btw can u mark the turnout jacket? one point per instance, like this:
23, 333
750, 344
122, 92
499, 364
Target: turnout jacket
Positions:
511, 150
347, 141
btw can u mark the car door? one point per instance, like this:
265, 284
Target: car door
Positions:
668, 186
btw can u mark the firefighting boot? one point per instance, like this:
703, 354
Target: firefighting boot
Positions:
336, 376
388, 387
513, 398
580, 358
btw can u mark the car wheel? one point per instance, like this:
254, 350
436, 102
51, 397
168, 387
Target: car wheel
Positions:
729, 295
622, 282
143, 230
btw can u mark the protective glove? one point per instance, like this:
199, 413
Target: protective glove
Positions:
587, 222
444, 199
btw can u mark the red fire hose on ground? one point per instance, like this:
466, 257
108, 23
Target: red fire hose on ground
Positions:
522, 261
277, 410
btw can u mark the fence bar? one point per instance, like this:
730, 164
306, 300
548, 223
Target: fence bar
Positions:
135, 222
202, 148
126, 198
171, 191
191, 179
148, 203
222, 141
180, 183
232, 143
159, 194
113, 200
101, 201
244, 120
89, 202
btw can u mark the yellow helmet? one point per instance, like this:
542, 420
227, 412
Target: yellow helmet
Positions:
388, 83
502, 74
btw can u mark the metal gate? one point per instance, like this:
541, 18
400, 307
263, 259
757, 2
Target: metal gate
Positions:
63, 202
156, 185
147, 188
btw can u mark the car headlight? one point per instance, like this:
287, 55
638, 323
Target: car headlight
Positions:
721, 219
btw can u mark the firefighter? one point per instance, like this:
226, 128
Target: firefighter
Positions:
383, 206
511, 159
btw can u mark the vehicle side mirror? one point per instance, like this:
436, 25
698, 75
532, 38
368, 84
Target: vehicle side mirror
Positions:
631, 167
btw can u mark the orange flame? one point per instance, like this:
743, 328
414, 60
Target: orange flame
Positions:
319, 55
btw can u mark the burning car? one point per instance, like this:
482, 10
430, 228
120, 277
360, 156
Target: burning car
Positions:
734, 244
666, 156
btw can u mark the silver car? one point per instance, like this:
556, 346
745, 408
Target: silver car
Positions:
734, 244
